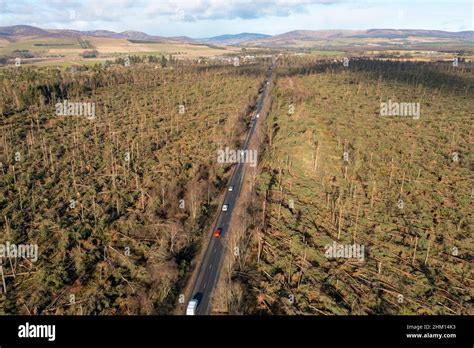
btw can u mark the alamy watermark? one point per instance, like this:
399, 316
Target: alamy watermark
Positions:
345, 62
37, 331
67, 108
347, 251
237, 156
21, 251
392, 108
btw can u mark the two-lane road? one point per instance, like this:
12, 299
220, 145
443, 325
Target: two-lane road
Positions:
214, 255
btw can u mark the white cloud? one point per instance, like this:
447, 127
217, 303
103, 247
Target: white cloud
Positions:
200, 18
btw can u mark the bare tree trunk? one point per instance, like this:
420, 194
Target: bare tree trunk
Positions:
391, 174
341, 216
356, 221
3, 276
289, 266
403, 181
428, 251
414, 251
259, 246
374, 188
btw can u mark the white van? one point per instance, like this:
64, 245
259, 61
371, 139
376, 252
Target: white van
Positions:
192, 305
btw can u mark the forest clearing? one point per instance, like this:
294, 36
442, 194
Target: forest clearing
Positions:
337, 170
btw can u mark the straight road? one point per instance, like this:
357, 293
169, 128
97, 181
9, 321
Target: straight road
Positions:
214, 256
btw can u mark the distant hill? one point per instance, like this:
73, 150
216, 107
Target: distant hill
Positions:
235, 39
19, 32
370, 37
327, 39
22, 31
370, 33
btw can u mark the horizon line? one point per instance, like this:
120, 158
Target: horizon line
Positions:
295, 30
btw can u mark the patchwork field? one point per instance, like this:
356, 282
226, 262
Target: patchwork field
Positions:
68, 51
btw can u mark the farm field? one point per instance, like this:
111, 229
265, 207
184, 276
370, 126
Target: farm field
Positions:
337, 172
117, 200
68, 51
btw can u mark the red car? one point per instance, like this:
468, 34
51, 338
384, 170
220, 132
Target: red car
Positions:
217, 232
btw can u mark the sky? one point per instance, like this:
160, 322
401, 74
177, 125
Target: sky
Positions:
206, 18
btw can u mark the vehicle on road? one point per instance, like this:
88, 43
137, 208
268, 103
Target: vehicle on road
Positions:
225, 207
257, 116
218, 232
192, 306
231, 188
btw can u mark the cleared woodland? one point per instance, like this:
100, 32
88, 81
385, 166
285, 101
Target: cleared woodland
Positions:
117, 204
335, 170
